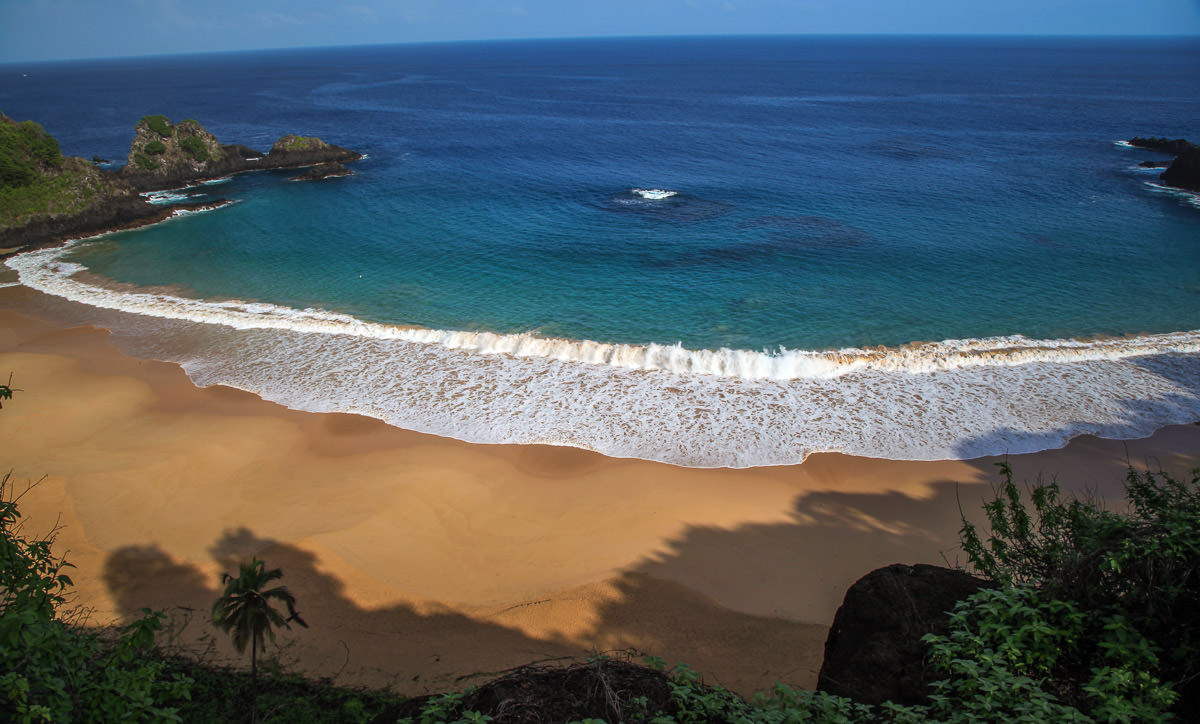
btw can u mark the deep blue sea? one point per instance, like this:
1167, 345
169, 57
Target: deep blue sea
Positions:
707, 251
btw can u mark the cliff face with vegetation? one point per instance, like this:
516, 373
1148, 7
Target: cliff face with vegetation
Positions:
162, 152
44, 194
45, 197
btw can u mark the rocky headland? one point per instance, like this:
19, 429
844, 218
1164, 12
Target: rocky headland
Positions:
46, 197
1184, 171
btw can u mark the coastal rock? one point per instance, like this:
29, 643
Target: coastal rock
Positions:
874, 651
324, 171
1184, 171
293, 151
1166, 145
1154, 164
50, 197
165, 155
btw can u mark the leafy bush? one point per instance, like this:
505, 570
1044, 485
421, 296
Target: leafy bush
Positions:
56, 672
155, 148
25, 149
194, 147
159, 124
1137, 571
144, 162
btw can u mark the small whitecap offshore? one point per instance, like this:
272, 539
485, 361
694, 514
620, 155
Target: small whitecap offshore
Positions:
653, 194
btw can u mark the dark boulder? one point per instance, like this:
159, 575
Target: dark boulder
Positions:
323, 171
1184, 171
1166, 145
874, 651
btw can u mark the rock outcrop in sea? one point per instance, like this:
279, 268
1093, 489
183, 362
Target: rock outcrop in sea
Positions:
1181, 173
165, 155
47, 197
324, 171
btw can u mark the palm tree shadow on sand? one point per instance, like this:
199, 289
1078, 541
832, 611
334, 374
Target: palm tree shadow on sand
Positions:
746, 606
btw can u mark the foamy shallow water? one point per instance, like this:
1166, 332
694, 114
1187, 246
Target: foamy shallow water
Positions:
697, 408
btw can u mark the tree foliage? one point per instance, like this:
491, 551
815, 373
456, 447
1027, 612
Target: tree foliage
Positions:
55, 672
246, 611
193, 146
25, 151
159, 124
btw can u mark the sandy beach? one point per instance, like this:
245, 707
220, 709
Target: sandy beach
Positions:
426, 564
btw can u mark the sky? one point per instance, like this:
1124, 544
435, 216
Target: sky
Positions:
33, 30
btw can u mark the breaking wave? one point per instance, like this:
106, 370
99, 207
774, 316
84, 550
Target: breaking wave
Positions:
701, 408
653, 194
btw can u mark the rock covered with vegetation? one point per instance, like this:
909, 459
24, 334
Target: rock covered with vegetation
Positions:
44, 194
163, 154
46, 197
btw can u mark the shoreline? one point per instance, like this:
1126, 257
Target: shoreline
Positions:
956, 399
422, 562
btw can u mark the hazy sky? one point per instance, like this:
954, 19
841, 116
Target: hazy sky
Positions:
54, 29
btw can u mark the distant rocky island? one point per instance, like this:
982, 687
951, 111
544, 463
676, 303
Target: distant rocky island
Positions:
1184, 171
46, 197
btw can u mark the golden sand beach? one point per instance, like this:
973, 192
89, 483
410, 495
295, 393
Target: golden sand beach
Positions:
426, 564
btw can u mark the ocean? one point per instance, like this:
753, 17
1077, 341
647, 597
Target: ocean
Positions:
720, 251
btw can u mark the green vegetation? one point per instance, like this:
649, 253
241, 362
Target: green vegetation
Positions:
155, 148
1093, 621
193, 146
159, 124
300, 143
26, 151
245, 610
66, 192
144, 162
58, 672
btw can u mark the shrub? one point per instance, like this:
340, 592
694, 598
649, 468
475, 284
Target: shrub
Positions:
144, 162
1136, 574
159, 124
194, 147
155, 148
57, 672
25, 148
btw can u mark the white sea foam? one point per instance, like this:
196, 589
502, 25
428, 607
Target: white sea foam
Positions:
654, 194
1124, 144
165, 197
201, 210
1190, 197
950, 399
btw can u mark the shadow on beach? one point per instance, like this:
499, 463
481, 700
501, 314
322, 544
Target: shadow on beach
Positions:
746, 606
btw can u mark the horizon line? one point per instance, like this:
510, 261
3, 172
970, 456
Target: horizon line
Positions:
650, 36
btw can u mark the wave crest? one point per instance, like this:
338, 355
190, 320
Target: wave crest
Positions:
46, 271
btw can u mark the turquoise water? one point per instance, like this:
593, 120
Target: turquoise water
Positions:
598, 234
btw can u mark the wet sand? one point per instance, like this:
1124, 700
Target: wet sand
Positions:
426, 564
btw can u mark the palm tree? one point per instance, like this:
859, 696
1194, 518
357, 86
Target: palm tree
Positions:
245, 611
